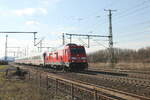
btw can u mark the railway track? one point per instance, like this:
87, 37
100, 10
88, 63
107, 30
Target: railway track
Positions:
129, 73
123, 78
120, 70
108, 81
119, 83
98, 92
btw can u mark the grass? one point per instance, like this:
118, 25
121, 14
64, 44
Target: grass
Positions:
4, 67
20, 90
16, 89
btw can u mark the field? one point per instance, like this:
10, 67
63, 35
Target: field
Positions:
18, 89
126, 66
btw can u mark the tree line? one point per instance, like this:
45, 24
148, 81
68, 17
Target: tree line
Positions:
121, 55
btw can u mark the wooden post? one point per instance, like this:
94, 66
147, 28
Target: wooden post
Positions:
29, 75
95, 94
72, 92
56, 87
37, 76
40, 79
47, 82
6, 72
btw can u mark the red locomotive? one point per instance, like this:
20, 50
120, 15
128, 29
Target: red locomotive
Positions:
69, 57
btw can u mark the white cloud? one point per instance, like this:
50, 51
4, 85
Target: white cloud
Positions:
30, 11
50, 2
43, 10
32, 22
27, 11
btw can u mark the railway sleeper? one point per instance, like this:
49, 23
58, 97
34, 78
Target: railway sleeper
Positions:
127, 80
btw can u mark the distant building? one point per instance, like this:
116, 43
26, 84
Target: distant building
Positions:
9, 59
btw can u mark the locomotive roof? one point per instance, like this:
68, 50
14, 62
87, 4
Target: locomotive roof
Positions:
63, 46
71, 44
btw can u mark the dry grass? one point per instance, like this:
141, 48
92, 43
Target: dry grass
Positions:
4, 67
16, 89
20, 90
127, 66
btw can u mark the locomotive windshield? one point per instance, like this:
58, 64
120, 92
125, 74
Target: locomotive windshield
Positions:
77, 51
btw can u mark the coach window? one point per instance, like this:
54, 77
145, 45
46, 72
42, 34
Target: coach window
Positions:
56, 55
65, 51
50, 56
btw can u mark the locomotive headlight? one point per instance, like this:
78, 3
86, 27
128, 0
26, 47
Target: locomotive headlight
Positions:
83, 58
73, 58
84, 61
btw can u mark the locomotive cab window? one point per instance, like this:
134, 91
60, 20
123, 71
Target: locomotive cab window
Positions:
50, 54
81, 50
77, 50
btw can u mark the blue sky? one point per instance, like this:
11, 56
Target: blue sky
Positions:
50, 18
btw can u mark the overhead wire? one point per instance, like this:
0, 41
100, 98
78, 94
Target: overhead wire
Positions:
132, 11
100, 44
128, 10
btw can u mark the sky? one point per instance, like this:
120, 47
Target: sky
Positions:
51, 18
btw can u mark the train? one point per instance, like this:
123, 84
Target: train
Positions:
70, 57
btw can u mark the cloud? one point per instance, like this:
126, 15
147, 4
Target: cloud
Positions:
27, 11
43, 10
49, 2
32, 22
24, 12
30, 11
44, 5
